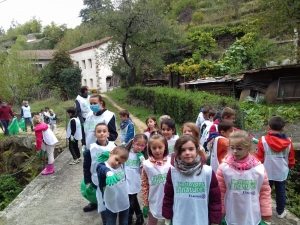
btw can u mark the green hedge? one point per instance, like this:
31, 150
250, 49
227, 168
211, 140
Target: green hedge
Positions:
182, 106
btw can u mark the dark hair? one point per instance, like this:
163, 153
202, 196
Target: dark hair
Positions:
228, 112
170, 123
124, 112
218, 115
194, 128
47, 107
100, 124
158, 137
97, 96
103, 103
212, 113
276, 123
83, 89
224, 125
136, 138
154, 119
205, 109
71, 110
124, 154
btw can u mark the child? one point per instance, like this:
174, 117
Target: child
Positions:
41, 114
163, 117
137, 148
205, 126
154, 175
98, 115
74, 135
46, 140
26, 114
91, 161
192, 129
46, 115
168, 130
218, 146
192, 194
203, 115
151, 126
277, 153
243, 180
126, 127
113, 187
52, 120
227, 114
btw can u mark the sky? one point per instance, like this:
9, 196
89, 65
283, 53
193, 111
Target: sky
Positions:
59, 11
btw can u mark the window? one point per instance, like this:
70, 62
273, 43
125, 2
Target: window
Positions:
77, 63
83, 64
287, 87
91, 83
90, 63
84, 82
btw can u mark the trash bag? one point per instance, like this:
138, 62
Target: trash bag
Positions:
14, 127
89, 192
223, 221
22, 124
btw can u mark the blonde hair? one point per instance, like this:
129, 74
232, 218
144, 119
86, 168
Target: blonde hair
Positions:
194, 128
51, 111
36, 120
244, 139
25, 102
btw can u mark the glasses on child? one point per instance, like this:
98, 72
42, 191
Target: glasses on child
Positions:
140, 145
236, 148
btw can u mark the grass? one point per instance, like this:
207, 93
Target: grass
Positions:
119, 96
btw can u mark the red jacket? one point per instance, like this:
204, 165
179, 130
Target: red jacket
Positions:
5, 112
278, 143
39, 128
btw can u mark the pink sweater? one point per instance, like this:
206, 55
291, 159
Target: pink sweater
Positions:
264, 198
39, 128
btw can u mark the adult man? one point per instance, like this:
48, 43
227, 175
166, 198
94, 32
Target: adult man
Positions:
5, 111
82, 105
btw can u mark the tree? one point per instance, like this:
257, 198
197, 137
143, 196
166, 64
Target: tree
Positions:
93, 7
54, 33
61, 60
141, 34
71, 81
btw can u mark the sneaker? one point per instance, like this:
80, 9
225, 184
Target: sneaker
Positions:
74, 162
79, 160
282, 215
90, 207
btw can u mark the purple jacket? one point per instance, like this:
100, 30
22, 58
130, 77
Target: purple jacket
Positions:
214, 205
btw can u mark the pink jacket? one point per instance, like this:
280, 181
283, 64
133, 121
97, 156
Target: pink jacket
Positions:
39, 128
264, 198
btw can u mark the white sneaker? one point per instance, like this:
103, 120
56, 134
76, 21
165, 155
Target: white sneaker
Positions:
281, 215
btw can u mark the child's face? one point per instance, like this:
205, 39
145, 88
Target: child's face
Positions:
115, 160
151, 123
101, 133
123, 118
231, 118
187, 130
205, 116
94, 101
166, 131
139, 145
70, 115
226, 133
189, 152
237, 149
158, 149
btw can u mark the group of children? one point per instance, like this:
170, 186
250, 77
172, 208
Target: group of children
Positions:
209, 175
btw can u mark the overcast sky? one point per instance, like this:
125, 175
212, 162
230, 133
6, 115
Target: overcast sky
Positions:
59, 11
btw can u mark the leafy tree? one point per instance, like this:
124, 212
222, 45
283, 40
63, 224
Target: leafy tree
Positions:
61, 60
93, 7
71, 81
140, 31
32, 26
54, 33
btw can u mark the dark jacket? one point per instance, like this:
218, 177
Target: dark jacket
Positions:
214, 205
112, 129
101, 172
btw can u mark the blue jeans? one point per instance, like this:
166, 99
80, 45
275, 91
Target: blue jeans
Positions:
280, 195
30, 121
111, 218
5, 125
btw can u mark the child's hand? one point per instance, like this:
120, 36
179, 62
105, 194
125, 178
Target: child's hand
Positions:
145, 211
140, 157
111, 178
103, 157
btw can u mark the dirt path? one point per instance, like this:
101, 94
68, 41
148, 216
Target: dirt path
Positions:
139, 125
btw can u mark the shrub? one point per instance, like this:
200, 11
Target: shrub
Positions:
9, 189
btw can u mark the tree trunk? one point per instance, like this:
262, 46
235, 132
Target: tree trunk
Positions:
132, 77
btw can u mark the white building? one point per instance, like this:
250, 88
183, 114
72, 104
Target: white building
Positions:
40, 57
94, 73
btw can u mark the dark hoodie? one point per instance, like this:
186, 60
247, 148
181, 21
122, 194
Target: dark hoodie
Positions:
277, 142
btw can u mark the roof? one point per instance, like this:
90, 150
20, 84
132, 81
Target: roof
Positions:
213, 80
270, 68
90, 45
38, 54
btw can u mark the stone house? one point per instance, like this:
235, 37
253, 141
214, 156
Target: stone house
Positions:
40, 57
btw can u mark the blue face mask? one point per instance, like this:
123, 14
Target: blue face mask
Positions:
95, 108
89, 92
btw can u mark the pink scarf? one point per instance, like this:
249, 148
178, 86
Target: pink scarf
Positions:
241, 165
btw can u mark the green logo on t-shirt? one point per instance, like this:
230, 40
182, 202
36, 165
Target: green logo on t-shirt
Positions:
158, 179
240, 184
190, 187
132, 162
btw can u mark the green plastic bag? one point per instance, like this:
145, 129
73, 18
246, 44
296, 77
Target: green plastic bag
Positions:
14, 127
223, 221
88, 193
22, 124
